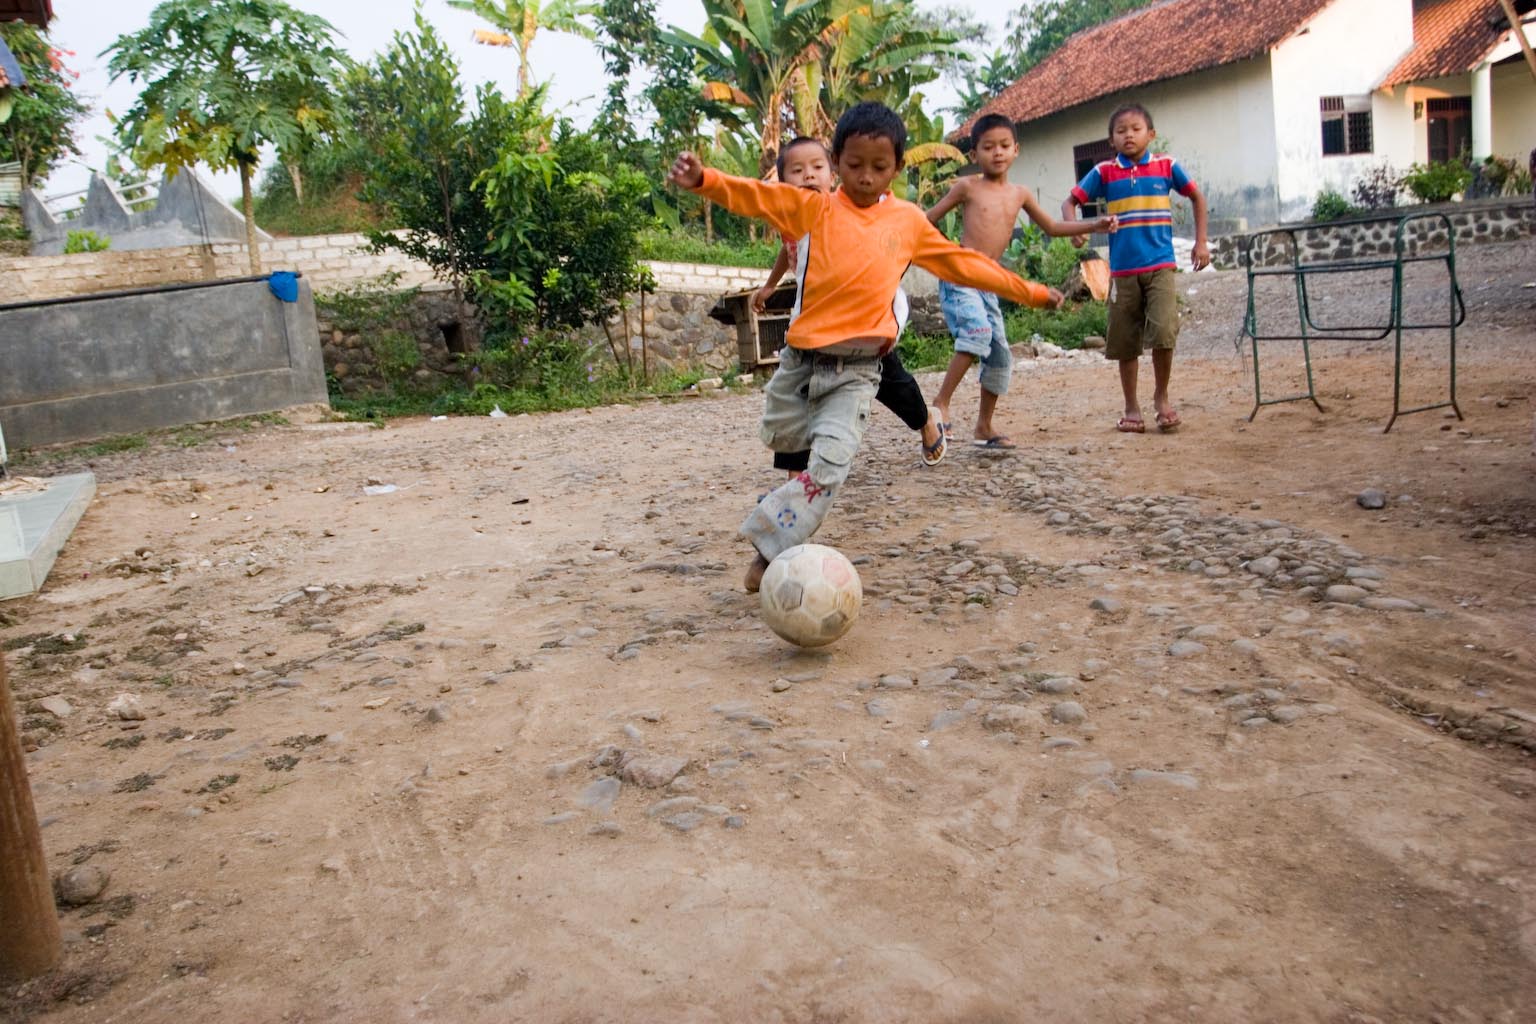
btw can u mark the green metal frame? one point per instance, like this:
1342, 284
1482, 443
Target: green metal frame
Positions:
1311, 330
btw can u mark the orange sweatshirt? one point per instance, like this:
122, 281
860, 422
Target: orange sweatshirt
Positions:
858, 255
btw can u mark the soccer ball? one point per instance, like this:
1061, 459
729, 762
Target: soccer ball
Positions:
811, 594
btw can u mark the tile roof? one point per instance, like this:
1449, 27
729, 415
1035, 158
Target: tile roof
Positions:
1450, 37
1162, 41
38, 12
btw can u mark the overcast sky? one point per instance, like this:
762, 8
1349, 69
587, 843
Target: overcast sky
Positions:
365, 27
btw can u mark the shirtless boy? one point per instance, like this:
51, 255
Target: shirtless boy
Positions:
991, 208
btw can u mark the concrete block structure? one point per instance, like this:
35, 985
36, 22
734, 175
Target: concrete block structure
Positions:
186, 212
122, 362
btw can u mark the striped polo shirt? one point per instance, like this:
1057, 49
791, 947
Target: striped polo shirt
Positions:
1138, 194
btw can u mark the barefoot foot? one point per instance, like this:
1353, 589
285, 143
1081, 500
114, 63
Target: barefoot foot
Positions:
754, 577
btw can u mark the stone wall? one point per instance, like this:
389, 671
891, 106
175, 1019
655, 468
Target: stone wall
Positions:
432, 319
678, 332
1480, 220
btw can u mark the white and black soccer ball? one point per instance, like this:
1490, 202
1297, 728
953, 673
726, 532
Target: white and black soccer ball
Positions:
811, 594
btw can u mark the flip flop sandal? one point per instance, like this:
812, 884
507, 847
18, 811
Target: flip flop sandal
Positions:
1169, 423
1130, 426
933, 454
1000, 442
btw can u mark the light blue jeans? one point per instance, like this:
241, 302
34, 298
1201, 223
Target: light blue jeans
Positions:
976, 321
816, 402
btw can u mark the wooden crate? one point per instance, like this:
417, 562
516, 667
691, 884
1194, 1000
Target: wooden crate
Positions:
759, 336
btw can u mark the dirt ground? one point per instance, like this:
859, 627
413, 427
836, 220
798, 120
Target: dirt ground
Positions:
1100, 747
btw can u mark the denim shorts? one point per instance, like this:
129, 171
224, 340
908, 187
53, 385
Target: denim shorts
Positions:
976, 322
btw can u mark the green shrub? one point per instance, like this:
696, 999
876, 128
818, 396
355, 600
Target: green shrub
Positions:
1501, 176
1067, 326
536, 220
1038, 257
1330, 205
368, 305
85, 241
543, 364
1437, 182
396, 354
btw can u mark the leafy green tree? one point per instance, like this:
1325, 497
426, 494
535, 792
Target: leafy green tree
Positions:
978, 84
220, 79
39, 134
519, 21
1039, 27
419, 155
539, 223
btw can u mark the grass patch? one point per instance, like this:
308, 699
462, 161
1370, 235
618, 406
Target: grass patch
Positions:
336, 213
680, 247
925, 351
1067, 326
610, 389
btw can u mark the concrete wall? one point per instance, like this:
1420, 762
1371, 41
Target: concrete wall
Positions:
327, 262
1344, 51
88, 367
1219, 124
1514, 110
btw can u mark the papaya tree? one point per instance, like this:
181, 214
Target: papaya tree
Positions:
222, 78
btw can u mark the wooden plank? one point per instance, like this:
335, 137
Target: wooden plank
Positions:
29, 941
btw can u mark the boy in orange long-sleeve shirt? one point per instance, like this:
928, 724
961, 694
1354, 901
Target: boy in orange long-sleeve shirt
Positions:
861, 240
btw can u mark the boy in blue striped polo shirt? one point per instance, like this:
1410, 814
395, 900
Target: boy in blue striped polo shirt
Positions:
1143, 306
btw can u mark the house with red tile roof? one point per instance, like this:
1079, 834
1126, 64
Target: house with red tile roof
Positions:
1266, 103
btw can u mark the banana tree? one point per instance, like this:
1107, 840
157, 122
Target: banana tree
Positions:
753, 54
790, 67
880, 50
517, 22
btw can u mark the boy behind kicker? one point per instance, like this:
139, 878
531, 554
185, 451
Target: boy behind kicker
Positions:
991, 206
861, 240
806, 163
1143, 306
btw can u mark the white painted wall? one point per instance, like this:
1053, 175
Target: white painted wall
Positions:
1344, 51
1514, 110
1219, 124
1423, 92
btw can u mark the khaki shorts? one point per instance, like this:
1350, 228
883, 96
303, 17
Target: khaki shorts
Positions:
1143, 314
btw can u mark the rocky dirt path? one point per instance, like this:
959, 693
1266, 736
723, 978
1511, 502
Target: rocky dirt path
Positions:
1132, 727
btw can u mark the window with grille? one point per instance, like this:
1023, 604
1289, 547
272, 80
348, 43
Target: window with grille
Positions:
1346, 125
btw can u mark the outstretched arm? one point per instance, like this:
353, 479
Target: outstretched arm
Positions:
1069, 226
780, 265
958, 265
1069, 218
792, 210
953, 198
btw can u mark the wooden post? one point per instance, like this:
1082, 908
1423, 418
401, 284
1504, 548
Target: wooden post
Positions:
29, 939
1519, 31
645, 345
